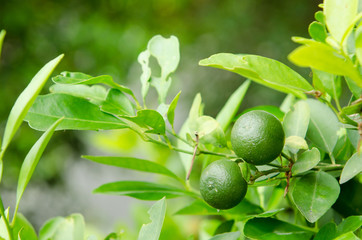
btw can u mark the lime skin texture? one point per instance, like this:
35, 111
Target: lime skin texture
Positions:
222, 185
257, 137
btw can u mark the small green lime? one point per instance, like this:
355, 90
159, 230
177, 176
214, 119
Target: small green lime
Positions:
257, 137
221, 184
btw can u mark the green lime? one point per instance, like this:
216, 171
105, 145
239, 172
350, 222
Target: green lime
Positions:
221, 184
257, 137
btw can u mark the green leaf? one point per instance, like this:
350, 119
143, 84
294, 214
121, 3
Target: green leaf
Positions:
96, 94
78, 114
25, 100
296, 121
328, 231
327, 83
358, 43
166, 51
347, 236
268, 108
340, 15
353, 87
31, 160
141, 190
134, 164
152, 230
314, 194
352, 168
227, 236
295, 143
325, 58
306, 161
323, 126
70, 228
262, 70
209, 131
231, 107
171, 109
274, 229
353, 109
319, 16
266, 214
349, 224
23, 229
151, 120
317, 31
117, 103
2, 36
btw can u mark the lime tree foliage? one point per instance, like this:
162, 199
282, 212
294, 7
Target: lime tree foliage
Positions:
291, 172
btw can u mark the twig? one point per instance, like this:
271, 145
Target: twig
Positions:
193, 156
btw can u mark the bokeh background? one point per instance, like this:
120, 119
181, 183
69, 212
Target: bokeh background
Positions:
105, 37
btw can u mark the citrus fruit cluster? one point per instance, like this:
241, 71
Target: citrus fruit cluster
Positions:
257, 138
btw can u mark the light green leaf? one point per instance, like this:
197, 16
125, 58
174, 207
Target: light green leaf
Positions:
274, 229
25, 100
325, 58
2, 36
171, 109
141, 190
143, 59
3, 229
151, 120
231, 107
96, 94
328, 231
314, 194
339, 15
306, 161
31, 160
70, 228
296, 121
152, 230
327, 83
266, 214
352, 168
295, 143
267, 108
287, 103
347, 236
349, 224
319, 16
227, 236
78, 114
323, 126
317, 31
262, 70
23, 229
117, 103
358, 43
209, 131
353, 87
133, 163
81, 78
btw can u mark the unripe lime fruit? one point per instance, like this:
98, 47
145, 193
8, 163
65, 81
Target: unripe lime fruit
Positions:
257, 137
222, 185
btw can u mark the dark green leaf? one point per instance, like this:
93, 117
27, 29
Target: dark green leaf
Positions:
273, 229
352, 168
265, 71
328, 231
171, 109
306, 161
296, 121
96, 94
225, 226
150, 120
117, 103
152, 230
317, 31
231, 107
141, 190
314, 194
134, 164
349, 224
78, 114
227, 236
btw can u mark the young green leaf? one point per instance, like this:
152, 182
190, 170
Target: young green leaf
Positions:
150, 120
231, 107
352, 168
4, 231
134, 164
353, 87
295, 143
296, 121
227, 236
31, 160
325, 58
314, 194
23, 230
347, 236
317, 31
358, 43
209, 131
340, 15
70, 228
2, 36
117, 103
274, 229
78, 114
262, 70
323, 126
287, 103
24, 102
267, 108
327, 82
152, 230
306, 161
171, 109
141, 190
96, 94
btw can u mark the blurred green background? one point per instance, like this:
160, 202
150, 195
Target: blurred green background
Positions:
105, 37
